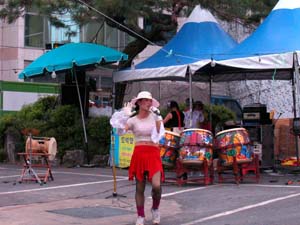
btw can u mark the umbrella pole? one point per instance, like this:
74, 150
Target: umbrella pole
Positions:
82, 117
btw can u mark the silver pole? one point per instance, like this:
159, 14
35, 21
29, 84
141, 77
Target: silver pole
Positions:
82, 116
294, 102
190, 94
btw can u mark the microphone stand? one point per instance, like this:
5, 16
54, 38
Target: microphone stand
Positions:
114, 195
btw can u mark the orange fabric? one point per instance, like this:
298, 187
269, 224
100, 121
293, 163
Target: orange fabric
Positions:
145, 158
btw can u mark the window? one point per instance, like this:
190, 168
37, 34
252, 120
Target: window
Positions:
101, 33
39, 31
36, 31
71, 33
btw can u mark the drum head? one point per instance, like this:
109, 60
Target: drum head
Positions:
197, 129
231, 130
172, 133
52, 148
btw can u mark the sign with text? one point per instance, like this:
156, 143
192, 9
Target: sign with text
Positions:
122, 148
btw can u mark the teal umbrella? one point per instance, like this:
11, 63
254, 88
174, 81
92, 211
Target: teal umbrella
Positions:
70, 55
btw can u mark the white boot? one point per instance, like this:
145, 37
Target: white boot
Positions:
140, 220
155, 216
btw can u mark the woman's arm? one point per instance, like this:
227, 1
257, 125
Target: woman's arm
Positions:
167, 118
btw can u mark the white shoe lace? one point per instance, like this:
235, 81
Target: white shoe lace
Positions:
155, 216
140, 221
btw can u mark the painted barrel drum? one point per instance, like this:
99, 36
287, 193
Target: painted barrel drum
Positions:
196, 146
233, 142
170, 139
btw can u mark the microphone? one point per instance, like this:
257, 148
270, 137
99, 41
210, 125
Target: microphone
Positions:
155, 110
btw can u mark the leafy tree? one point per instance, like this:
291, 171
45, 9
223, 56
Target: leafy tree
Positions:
160, 17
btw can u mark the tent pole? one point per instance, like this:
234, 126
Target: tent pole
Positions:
82, 117
190, 96
295, 65
210, 106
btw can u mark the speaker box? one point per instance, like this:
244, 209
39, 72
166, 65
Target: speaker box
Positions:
69, 96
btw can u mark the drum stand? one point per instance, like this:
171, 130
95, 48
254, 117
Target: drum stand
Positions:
28, 170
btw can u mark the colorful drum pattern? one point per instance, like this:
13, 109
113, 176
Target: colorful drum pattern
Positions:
195, 154
168, 155
233, 142
169, 145
170, 139
198, 137
196, 146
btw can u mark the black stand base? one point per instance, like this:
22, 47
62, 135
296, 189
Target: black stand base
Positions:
116, 200
116, 195
88, 165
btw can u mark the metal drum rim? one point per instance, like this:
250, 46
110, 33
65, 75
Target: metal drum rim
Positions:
197, 129
229, 130
173, 133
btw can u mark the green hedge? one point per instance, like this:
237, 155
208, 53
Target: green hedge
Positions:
63, 122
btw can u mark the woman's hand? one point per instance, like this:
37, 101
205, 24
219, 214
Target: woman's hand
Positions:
128, 109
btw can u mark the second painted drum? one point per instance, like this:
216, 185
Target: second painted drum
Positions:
196, 146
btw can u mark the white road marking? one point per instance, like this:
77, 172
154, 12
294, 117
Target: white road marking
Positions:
10, 176
200, 188
271, 185
226, 213
87, 174
59, 187
182, 191
64, 172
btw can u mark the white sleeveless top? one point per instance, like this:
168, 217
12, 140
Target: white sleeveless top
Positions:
142, 128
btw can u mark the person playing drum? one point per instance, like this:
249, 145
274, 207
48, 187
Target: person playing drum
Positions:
174, 120
146, 161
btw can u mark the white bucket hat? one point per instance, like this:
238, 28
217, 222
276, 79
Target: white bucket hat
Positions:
147, 95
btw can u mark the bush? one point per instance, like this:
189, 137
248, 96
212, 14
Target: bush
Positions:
63, 122
99, 132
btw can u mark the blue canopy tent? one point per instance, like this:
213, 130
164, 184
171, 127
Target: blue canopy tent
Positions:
199, 40
73, 56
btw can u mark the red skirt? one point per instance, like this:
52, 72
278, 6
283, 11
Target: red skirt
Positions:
145, 159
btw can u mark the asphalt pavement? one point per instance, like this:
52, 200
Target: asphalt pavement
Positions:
89, 196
